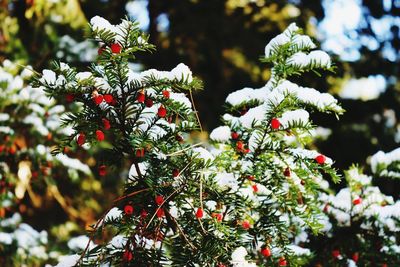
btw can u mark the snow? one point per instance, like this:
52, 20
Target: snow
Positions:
181, 98
14, 220
239, 254
308, 154
148, 243
303, 42
221, 134
294, 116
75, 164
365, 89
310, 96
321, 132
202, 153
210, 204
79, 243
247, 94
142, 167
233, 121
113, 214
27, 237
81, 76
320, 58
68, 261
256, 138
64, 66
299, 59
254, 116
4, 117
226, 180
6, 130
280, 40
361, 178
299, 251
239, 260
118, 242
48, 77
6, 238
317, 57
99, 24
182, 72
382, 159
322, 101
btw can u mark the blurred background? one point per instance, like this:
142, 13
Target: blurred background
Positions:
222, 41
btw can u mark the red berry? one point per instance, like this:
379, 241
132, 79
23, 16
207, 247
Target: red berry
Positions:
128, 256
166, 93
239, 145
98, 99
246, 224
217, 216
286, 172
175, 173
355, 256
128, 209
178, 138
282, 261
320, 159
275, 124
335, 253
35, 174
357, 201
234, 135
143, 214
99, 135
140, 97
106, 124
12, 150
251, 177
255, 188
326, 207
199, 213
100, 50
2, 148
102, 170
69, 98
384, 265
159, 200
243, 111
81, 139
140, 153
160, 213
266, 252
108, 98
65, 150
116, 48
148, 103
162, 112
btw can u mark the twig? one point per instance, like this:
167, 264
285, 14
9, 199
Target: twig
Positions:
159, 207
181, 231
131, 194
182, 150
195, 110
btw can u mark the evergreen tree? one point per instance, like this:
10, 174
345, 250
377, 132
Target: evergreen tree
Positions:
33, 182
361, 223
263, 153
180, 206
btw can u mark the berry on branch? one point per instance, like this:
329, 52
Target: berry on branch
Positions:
116, 48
